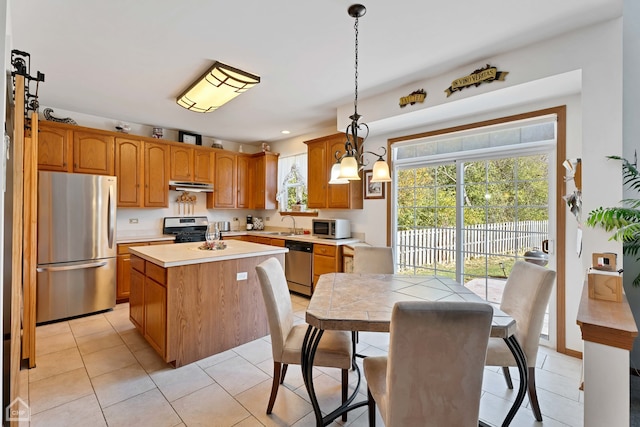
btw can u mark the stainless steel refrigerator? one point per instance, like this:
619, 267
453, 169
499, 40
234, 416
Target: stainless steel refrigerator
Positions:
76, 272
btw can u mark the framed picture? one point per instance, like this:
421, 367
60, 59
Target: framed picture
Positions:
189, 138
372, 190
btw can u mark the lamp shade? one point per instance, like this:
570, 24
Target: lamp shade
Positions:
219, 85
380, 172
349, 169
335, 173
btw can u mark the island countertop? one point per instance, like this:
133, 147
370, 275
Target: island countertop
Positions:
174, 255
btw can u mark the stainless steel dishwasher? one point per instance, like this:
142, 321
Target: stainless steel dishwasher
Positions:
298, 266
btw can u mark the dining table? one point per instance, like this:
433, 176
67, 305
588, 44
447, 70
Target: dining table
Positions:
364, 302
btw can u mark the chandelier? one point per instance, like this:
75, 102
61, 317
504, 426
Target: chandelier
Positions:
349, 163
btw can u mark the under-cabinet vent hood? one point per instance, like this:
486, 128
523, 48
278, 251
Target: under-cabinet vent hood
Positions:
196, 187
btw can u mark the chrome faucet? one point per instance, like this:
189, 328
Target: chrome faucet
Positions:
293, 230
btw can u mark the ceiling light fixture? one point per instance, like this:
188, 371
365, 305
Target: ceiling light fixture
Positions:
219, 85
349, 164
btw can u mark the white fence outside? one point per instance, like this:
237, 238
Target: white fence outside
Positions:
427, 246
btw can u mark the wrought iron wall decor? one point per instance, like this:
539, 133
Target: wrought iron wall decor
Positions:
414, 97
487, 74
48, 114
21, 62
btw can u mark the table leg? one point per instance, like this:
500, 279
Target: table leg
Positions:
309, 348
521, 362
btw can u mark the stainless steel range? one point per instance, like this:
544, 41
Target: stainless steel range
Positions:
186, 229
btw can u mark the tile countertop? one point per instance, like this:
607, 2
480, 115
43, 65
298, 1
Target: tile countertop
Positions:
175, 255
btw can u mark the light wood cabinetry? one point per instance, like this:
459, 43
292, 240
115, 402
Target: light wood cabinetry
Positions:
93, 153
156, 175
129, 170
326, 259
264, 181
54, 148
243, 189
320, 159
67, 148
203, 165
231, 173
181, 162
123, 284
186, 315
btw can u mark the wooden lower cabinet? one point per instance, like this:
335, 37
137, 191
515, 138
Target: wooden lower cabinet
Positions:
200, 309
123, 283
326, 259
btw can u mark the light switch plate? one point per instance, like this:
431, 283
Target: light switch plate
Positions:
241, 276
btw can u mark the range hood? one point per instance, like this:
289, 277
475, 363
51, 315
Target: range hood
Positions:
196, 187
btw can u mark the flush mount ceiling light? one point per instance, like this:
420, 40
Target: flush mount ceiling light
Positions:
349, 164
216, 87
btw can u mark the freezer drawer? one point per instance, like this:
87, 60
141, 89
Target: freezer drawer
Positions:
73, 289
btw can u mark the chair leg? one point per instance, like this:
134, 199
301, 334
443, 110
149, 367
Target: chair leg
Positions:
345, 389
371, 404
533, 395
507, 377
284, 372
274, 386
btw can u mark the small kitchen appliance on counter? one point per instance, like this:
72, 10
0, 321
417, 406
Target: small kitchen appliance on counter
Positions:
331, 228
186, 229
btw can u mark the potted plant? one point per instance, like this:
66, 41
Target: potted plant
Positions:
624, 220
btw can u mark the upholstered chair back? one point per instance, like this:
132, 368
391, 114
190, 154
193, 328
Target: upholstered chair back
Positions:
278, 303
436, 363
373, 259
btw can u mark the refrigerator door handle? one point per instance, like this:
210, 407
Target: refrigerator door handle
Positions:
72, 267
111, 223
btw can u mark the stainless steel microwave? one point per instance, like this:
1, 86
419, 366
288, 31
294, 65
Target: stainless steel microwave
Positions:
331, 228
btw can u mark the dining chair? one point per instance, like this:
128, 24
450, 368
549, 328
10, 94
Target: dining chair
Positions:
432, 375
373, 259
334, 349
525, 298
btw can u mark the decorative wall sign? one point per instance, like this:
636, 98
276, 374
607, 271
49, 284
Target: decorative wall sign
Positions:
479, 76
415, 96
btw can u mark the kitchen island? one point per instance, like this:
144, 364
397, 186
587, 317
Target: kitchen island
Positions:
190, 303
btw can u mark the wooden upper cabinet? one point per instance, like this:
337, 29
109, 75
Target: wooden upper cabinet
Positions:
93, 152
156, 175
264, 181
321, 194
224, 194
203, 165
243, 164
181, 163
54, 148
317, 175
129, 170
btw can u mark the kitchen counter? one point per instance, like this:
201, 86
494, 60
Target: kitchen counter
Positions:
298, 237
174, 255
129, 237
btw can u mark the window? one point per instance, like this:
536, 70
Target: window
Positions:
292, 183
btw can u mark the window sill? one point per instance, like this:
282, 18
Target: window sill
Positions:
299, 213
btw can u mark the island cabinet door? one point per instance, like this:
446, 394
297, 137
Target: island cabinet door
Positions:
155, 315
136, 298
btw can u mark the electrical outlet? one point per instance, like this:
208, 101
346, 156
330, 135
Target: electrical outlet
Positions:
241, 276
268, 218
133, 220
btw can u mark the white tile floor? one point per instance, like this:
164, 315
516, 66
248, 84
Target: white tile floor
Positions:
98, 370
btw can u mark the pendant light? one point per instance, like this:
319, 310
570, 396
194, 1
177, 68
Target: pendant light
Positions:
351, 162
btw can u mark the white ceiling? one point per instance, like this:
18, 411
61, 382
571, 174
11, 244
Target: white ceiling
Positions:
129, 59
